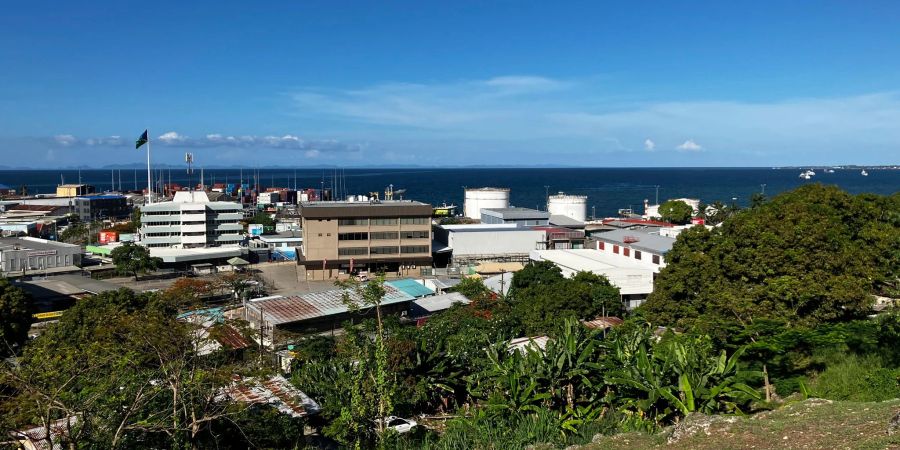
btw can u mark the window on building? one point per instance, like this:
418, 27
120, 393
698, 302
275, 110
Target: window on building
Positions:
361, 236
352, 222
384, 250
353, 251
656, 259
68, 260
413, 235
616, 249
637, 254
385, 221
600, 245
414, 249
626, 251
415, 221
385, 235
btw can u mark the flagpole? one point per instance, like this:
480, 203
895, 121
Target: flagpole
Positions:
149, 188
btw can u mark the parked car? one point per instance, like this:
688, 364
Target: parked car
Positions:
399, 424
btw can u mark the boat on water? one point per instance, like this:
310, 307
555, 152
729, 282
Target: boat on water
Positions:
807, 174
829, 170
864, 173
445, 210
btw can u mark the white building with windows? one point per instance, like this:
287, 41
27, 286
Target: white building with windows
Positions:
635, 246
190, 220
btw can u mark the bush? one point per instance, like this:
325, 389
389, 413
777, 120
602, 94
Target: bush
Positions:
856, 378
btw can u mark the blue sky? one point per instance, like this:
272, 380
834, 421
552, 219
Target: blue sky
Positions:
685, 83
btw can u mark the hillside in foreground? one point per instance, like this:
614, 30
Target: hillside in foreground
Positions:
811, 424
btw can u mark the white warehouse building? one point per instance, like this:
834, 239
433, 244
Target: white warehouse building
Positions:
486, 241
190, 220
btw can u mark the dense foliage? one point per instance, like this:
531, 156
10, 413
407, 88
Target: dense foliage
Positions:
810, 256
15, 317
130, 373
542, 297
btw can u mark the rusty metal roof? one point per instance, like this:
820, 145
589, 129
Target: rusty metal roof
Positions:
601, 323
279, 310
231, 338
275, 391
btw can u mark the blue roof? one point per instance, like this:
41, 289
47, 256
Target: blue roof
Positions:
216, 314
101, 197
410, 287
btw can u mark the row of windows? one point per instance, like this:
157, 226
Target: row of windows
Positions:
385, 221
382, 235
626, 251
405, 249
41, 262
353, 222
353, 251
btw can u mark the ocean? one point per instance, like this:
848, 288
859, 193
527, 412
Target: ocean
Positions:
607, 189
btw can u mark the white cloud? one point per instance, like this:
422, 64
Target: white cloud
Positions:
551, 113
171, 138
689, 146
312, 153
65, 139
216, 140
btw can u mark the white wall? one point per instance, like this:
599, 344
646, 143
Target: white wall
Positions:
494, 242
646, 260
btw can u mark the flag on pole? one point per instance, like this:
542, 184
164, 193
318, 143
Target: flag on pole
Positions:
323, 263
141, 140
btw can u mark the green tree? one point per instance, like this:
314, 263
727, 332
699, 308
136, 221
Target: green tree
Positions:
130, 372
676, 211
376, 400
132, 259
473, 288
535, 273
810, 256
265, 220
15, 317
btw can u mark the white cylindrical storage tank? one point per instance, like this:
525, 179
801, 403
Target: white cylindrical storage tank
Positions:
572, 206
486, 197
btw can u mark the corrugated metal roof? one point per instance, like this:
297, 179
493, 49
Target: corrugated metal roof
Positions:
601, 323
275, 391
427, 306
411, 287
522, 344
515, 213
280, 310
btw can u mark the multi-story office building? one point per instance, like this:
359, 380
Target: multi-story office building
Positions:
190, 220
99, 207
389, 236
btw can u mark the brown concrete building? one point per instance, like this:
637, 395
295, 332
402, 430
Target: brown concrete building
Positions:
389, 236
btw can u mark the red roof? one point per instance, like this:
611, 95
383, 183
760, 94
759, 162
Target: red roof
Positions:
230, 337
640, 222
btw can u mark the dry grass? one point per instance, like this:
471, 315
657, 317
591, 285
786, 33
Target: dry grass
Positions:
811, 424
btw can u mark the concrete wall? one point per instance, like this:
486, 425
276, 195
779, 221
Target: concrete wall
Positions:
512, 241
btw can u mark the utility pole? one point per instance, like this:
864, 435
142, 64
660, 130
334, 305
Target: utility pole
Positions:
546, 195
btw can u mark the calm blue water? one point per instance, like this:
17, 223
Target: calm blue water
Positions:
607, 189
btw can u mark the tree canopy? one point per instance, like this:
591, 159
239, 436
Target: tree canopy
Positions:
132, 259
808, 256
542, 297
676, 211
15, 317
